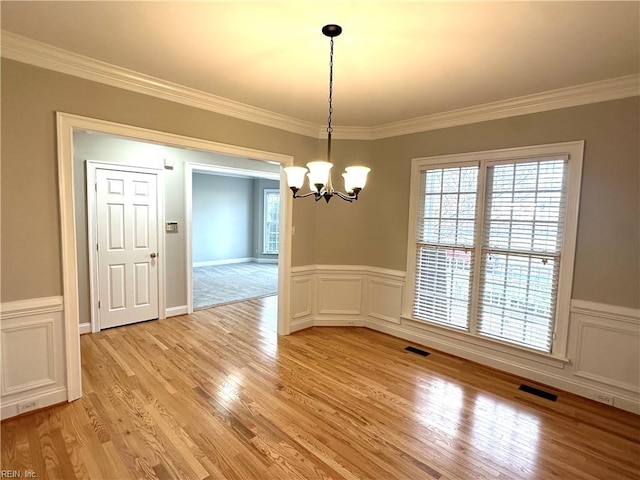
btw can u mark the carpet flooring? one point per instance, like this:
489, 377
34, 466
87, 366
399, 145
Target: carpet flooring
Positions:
219, 284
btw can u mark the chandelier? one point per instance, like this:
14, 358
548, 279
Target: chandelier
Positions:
320, 172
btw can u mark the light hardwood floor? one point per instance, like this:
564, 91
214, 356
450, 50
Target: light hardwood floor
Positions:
217, 395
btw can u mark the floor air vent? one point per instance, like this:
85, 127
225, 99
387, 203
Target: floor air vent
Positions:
417, 350
540, 393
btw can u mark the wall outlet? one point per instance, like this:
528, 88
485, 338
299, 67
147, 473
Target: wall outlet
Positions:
606, 399
27, 406
351, 323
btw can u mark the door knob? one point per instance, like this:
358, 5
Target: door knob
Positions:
153, 255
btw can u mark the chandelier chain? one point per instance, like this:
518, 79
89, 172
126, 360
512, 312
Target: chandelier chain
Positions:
329, 127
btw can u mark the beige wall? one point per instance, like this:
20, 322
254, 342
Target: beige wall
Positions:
31, 264
372, 231
607, 267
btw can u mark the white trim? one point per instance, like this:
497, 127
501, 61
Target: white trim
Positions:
10, 409
320, 321
33, 306
64, 133
205, 168
365, 269
298, 325
593, 309
91, 167
226, 261
85, 328
303, 270
266, 260
176, 311
584, 94
22, 49
65, 125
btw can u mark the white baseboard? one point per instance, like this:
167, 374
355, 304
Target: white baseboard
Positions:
175, 311
85, 328
339, 322
226, 261
46, 399
266, 260
298, 325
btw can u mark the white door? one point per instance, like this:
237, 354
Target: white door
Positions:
127, 230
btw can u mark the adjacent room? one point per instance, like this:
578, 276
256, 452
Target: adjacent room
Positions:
235, 238
357, 240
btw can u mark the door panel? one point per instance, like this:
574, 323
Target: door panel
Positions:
127, 232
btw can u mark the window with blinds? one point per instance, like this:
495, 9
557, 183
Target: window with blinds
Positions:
489, 240
271, 221
445, 257
521, 248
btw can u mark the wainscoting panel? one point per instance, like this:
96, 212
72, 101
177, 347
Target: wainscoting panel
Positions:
302, 297
607, 347
339, 295
31, 335
385, 299
27, 355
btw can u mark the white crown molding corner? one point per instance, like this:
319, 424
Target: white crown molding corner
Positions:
21, 49
25, 50
602, 91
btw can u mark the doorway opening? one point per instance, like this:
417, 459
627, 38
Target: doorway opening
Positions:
234, 234
72, 188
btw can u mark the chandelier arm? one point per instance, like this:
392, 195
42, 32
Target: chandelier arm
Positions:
295, 195
346, 197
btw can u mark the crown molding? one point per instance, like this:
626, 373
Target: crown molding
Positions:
602, 91
25, 50
21, 49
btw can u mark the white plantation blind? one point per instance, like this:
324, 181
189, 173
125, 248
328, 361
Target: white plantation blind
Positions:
445, 239
521, 247
492, 248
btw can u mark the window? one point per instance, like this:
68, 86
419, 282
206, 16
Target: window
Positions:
492, 242
271, 220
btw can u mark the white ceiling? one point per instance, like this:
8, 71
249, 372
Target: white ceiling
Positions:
394, 60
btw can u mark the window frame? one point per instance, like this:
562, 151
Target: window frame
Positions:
483, 159
265, 194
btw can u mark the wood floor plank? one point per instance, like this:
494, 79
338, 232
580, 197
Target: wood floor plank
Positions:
217, 395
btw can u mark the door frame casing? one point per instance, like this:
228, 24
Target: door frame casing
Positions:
92, 230
66, 123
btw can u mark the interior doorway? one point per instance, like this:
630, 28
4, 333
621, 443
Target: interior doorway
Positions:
72, 200
234, 234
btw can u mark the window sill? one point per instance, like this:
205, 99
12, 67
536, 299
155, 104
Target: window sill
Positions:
480, 344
